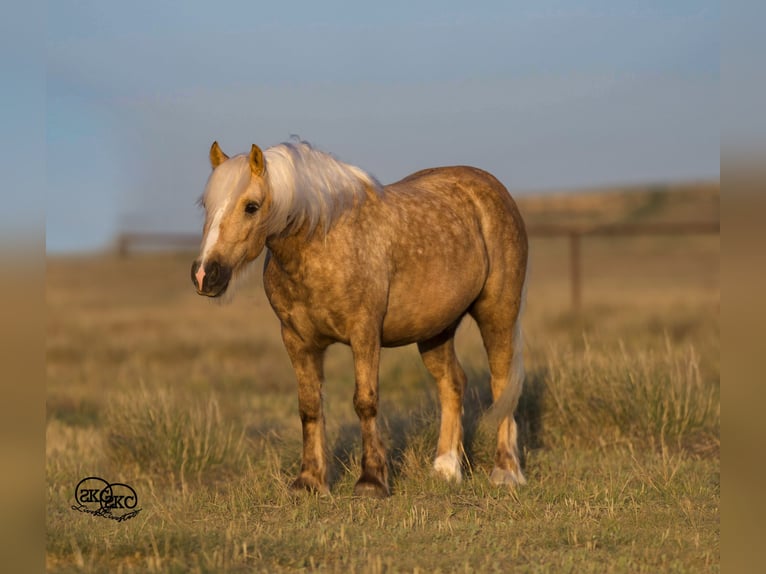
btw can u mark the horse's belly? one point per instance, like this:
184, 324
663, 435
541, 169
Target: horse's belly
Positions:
418, 313
397, 335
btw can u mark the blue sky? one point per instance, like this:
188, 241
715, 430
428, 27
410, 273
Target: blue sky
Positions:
545, 95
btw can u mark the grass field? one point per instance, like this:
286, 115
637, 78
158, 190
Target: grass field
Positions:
194, 405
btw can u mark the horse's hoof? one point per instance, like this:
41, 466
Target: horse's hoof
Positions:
447, 466
501, 476
310, 484
371, 489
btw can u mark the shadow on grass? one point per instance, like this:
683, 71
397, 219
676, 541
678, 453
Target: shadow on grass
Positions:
479, 441
415, 432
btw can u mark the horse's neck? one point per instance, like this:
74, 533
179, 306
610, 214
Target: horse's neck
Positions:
287, 250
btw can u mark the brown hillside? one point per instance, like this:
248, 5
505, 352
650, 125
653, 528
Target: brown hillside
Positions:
698, 201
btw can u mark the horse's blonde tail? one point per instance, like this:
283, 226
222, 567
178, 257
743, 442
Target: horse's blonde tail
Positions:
505, 405
507, 469
517, 374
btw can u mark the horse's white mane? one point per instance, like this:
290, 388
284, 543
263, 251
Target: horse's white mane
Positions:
308, 187
311, 187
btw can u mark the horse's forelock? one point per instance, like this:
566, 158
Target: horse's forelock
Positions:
227, 181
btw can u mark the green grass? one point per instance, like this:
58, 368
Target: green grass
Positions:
194, 405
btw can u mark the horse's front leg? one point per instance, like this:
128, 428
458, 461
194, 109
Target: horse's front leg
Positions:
308, 363
374, 479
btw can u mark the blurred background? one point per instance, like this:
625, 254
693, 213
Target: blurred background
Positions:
546, 96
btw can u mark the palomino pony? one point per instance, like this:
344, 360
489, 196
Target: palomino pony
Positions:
353, 262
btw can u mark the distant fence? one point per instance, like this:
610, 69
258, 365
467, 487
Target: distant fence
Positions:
128, 242
134, 241
575, 235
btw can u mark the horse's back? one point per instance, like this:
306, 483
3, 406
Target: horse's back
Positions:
498, 219
498, 213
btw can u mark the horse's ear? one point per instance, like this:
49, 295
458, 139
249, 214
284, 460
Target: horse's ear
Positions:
217, 157
257, 165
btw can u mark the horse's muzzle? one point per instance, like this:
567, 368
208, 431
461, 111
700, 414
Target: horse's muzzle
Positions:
211, 279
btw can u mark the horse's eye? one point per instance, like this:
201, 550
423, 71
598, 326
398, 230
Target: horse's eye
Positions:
251, 207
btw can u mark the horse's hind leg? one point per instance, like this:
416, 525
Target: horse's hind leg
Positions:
499, 323
440, 360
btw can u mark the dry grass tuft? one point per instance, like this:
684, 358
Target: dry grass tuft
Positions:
174, 440
646, 398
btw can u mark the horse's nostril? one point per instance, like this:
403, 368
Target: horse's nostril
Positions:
213, 271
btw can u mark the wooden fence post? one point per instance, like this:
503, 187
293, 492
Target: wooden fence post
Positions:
122, 245
574, 266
